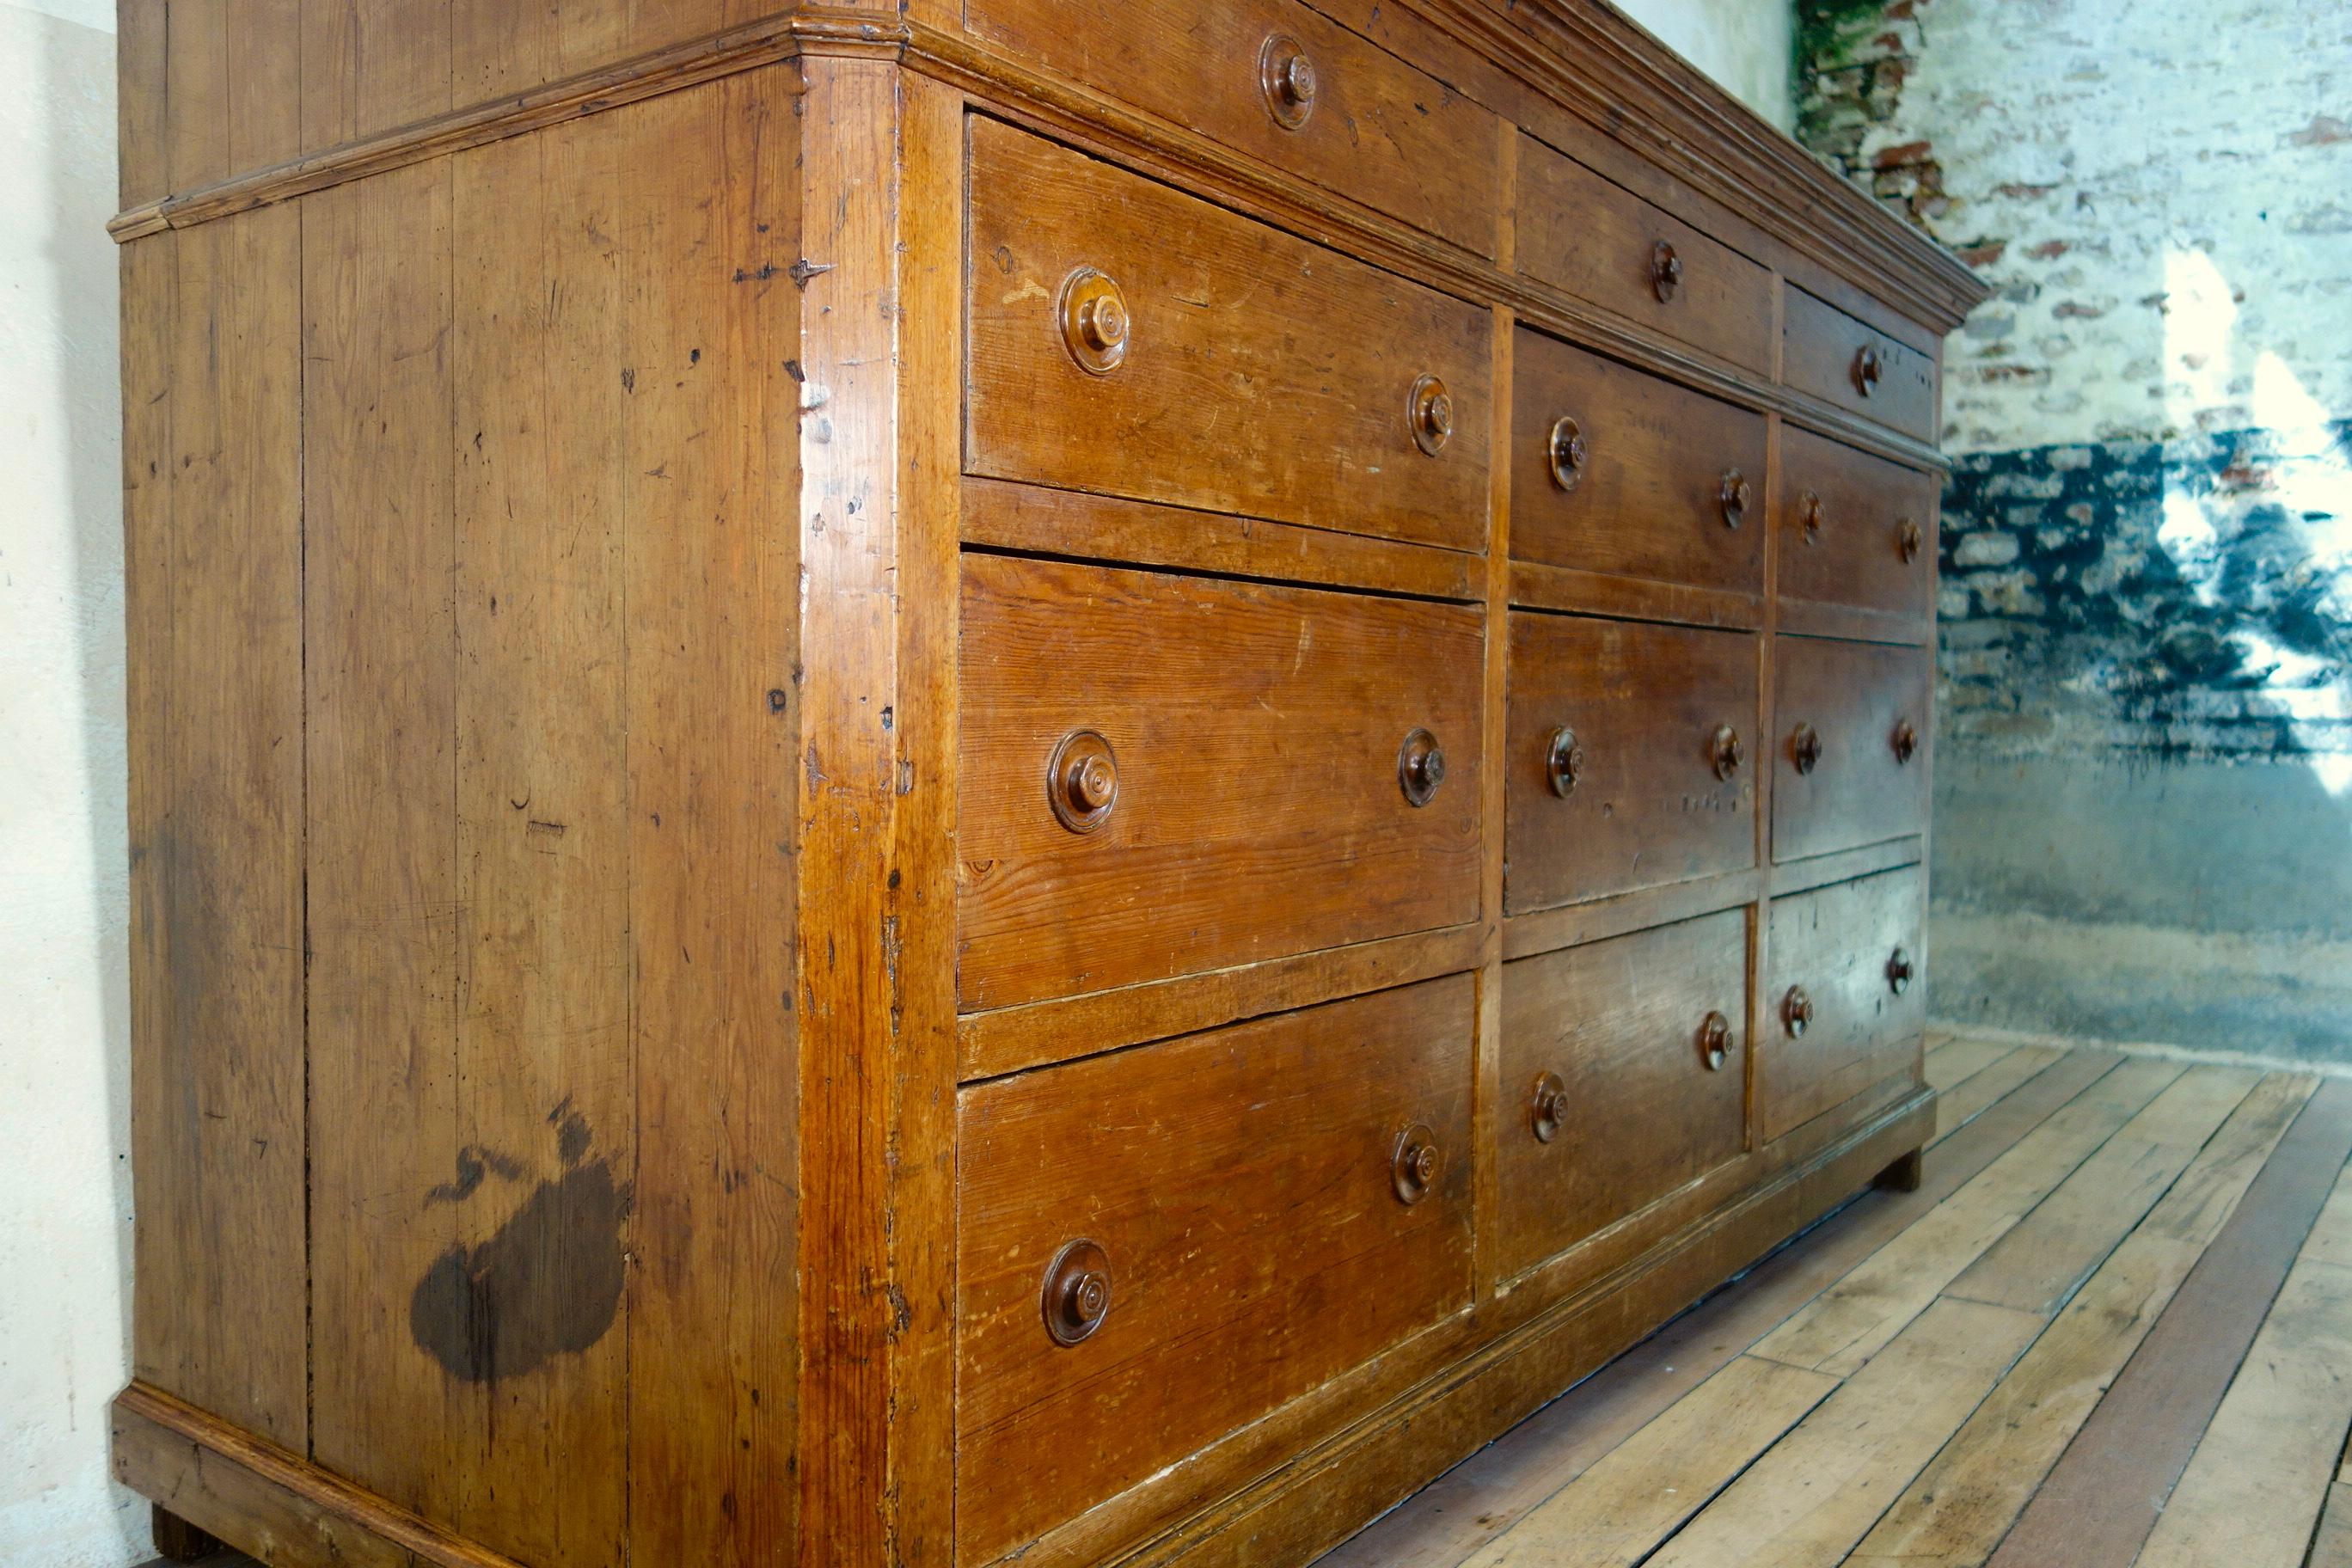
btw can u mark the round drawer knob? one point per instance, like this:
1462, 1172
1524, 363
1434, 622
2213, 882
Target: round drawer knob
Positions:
1867, 369
1565, 450
1078, 1291
1898, 970
1733, 495
1907, 539
1420, 767
1905, 740
1430, 411
1563, 762
1287, 77
1805, 748
1796, 1010
1547, 1107
1415, 1170
1094, 321
1808, 513
1666, 270
1082, 781
1715, 1041
1724, 751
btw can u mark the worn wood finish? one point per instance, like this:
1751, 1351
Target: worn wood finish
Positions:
1261, 375
622, 513
1828, 353
1375, 129
1240, 1184
1853, 529
1648, 805
1642, 1108
1256, 732
1834, 945
1943, 1416
1578, 232
1648, 498
1862, 701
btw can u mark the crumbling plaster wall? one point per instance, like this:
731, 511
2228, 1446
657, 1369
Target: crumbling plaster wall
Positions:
2144, 823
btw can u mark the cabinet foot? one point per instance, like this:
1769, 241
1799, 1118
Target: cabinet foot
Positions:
177, 1540
1904, 1174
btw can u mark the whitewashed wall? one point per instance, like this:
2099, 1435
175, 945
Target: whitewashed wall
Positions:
64, 1040
1745, 45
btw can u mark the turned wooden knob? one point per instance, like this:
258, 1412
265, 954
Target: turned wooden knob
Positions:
1724, 751
1867, 369
1429, 412
1715, 1041
1566, 452
1805, 748
1547, 1107
1082, 781
1077, 1297
1095, 322
1666, 270
1796, 1010
1907, 540
1420, 767
1898, 970
1733, 495
1809, 511
1563, 762
1287, 78
1413, 1172
1905, 740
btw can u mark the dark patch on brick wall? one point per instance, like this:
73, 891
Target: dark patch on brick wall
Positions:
1853, 59
2172, 599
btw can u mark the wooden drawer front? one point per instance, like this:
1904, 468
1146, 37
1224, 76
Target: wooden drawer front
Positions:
1623, 1027
1261, 374
1829, 353
1854, 529
1580, 233
1647, 804
1255, 734
1242, 1188
1859, 702
1373, 129
1841, 950
1648, 500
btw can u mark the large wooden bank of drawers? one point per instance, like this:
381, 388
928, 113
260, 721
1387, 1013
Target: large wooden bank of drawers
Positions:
1043, 780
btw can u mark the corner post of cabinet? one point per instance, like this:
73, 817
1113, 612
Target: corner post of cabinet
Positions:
879, 375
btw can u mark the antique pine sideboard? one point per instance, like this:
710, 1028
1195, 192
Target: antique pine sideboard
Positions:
1044, 779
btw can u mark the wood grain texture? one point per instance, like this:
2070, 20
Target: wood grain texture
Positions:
1819, 348
1257, 732
1580, 232
213, 530
1648, 502
1379, 131
1240, 1183
1618, 1023
1264, 376
1852, 553
2103, 1498
1853, 695
1835, 943
1956, 1511
1648, 806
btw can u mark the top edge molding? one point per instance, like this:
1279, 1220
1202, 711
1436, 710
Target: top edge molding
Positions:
1582, 55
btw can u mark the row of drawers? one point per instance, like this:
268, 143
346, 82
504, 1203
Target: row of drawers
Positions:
1244, 371
1158, 1246
1276, 80
1166, 774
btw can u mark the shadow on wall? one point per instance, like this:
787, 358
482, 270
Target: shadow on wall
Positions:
2144, 827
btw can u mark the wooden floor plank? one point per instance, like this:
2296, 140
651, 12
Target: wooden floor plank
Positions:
1956, 1512
2260, 1477
2331, 1547
1820, 1489
2098, 1504
1851, 1320
1957, 1060
1614, 1514
1969, 1097
1485, 1495
2036, 1267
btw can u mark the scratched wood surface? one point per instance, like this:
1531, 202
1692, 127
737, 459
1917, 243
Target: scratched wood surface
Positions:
2194, 1222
